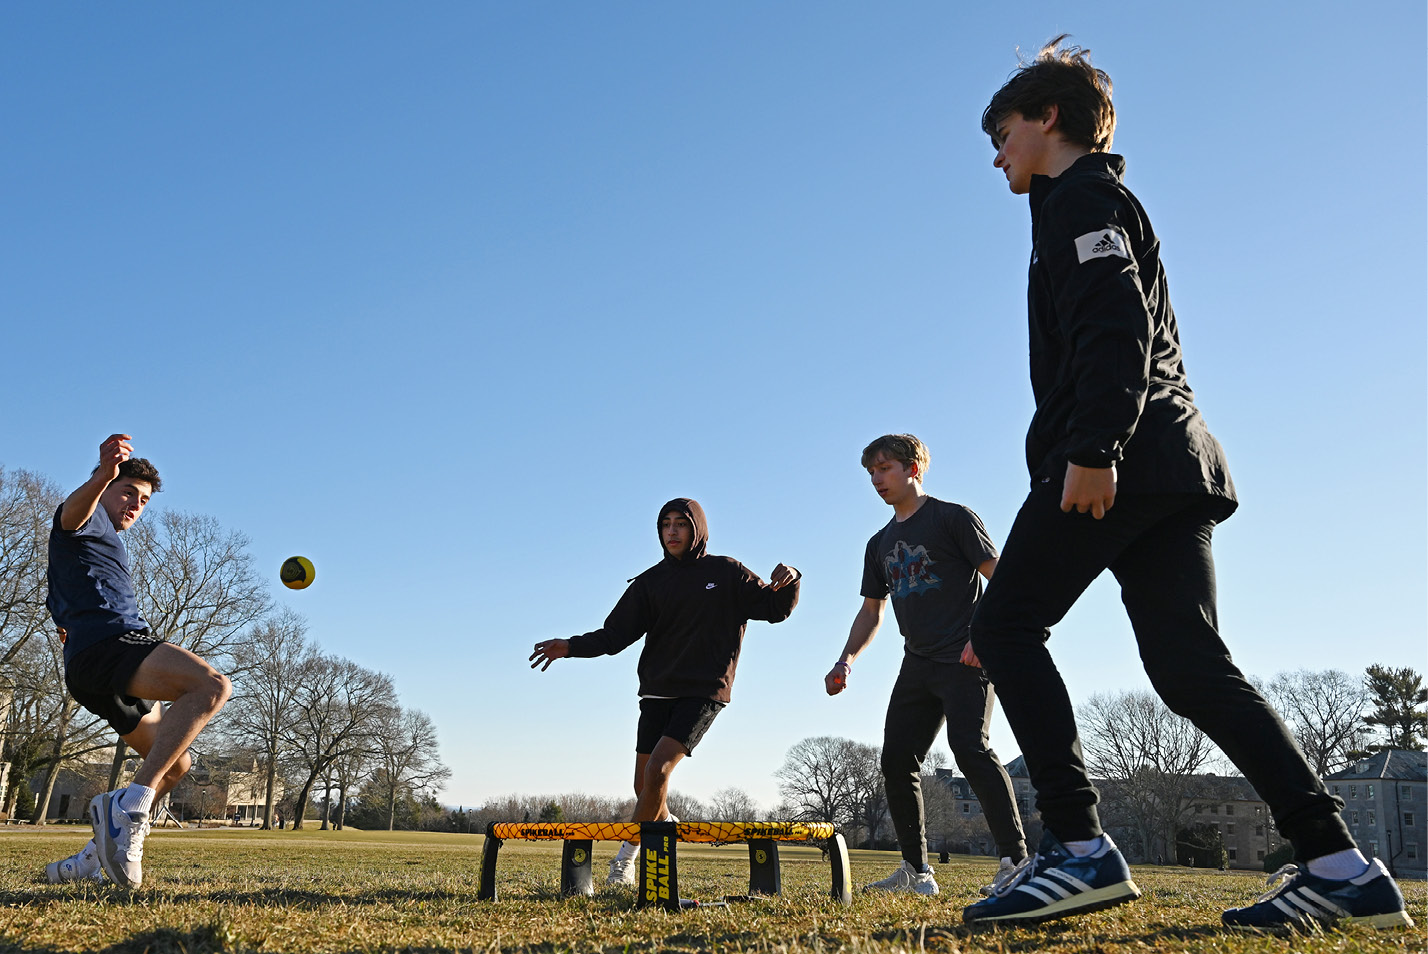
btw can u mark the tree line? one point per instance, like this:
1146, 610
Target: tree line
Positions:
312, 721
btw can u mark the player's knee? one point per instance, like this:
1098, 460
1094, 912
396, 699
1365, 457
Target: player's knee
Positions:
217, 689
180, 768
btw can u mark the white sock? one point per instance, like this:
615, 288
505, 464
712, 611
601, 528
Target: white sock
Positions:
1339, 866
137, 798
1084, 849
627, 851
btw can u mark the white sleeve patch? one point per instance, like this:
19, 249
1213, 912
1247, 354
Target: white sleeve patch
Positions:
1104, 243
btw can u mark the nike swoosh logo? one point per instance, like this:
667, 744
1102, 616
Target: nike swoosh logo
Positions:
113, 832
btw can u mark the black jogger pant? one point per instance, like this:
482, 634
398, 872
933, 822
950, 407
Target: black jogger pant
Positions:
926, 693
1158, 547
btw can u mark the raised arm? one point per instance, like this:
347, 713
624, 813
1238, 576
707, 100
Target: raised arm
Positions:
865, 627
79, 506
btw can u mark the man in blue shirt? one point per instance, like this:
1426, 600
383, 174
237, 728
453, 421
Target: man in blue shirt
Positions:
114, 664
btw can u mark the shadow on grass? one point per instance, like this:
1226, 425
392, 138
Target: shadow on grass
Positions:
1039, 937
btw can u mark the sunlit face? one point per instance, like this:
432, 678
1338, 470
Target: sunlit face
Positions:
676, 533
1024, 147
124, 500
894, 481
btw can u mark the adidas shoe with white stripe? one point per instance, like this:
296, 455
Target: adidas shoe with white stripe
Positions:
1054, 883
1297, 899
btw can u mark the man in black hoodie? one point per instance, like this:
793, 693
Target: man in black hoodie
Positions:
692, 608
1125, 476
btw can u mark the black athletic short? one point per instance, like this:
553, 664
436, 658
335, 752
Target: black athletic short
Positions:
98, 675
683, 720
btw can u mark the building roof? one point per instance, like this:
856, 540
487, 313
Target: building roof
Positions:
1405, 764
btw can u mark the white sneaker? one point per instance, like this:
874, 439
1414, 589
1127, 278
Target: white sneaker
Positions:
119, 836
624, 871
77, 867
1005, 873
906, 878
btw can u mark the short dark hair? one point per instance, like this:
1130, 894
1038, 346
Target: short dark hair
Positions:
1062, 77
139, 468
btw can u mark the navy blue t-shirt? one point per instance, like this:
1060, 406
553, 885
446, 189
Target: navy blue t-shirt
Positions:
91, 591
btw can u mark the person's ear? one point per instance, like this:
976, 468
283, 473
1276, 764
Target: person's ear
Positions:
1048, 120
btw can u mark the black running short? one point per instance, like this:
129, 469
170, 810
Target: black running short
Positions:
98, 676
683, 720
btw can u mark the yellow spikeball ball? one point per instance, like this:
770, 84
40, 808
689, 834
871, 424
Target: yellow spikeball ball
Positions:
297, 573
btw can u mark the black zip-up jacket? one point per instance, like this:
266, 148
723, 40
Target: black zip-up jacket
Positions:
1106, 365
692, 613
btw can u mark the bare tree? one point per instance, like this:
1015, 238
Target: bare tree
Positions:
1324, 710
834, 780
338, 711
261, 715
27, 506
408, 759
733, 804
1150, 756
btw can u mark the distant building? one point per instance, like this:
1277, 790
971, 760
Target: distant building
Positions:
1385, 802
1246, 829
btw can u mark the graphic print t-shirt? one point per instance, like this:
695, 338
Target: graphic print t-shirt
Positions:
928, 566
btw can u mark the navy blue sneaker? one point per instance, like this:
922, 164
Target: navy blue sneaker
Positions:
1297, 900
1053, 883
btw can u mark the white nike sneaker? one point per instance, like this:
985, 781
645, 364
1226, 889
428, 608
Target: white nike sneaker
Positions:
624, 871
1005, 873
119, 836
906, 878
80, 866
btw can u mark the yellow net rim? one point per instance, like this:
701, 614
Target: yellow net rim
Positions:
696, 831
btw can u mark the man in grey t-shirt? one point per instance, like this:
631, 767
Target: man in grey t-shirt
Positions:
930, 560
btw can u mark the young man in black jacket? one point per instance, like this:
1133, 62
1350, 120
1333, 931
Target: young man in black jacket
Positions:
1125, 477
691, 608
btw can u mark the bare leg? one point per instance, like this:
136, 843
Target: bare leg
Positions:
141, 740
197, 691
650, 801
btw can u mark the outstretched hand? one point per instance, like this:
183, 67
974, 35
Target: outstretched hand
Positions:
782, 575
548, 651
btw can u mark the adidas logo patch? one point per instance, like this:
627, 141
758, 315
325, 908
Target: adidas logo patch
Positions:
1103, 243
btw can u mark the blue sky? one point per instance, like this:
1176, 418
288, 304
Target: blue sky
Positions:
449, 297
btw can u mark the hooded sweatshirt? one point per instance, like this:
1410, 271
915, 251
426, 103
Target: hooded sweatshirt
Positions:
692, 612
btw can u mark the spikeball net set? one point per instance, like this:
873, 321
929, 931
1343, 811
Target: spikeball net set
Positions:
658, 882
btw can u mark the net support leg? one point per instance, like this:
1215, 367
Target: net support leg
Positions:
659, 874
492, 848
842, 875
764, 876
575, 875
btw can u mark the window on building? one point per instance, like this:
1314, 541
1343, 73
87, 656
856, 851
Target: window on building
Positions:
1368, 791
1259, 831
1406, 791
966, 808
1230, 852
1259, 809
1407, 819
1372, 817
1353, 791
1336, 789
1353, 818
1229, 809
1259, 855
1373, 849
1230, 828
1411, 850
1214, 809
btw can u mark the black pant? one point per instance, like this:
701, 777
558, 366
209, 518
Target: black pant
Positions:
1158, 547
926, 693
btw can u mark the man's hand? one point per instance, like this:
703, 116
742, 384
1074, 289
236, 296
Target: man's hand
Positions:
114, 451
548, 651
837, 679
1089, 489
969, 658
782, 575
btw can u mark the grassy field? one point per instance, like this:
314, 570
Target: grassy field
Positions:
224, 890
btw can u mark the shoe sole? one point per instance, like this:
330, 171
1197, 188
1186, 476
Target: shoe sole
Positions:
1383, 922
1097, 899
99, 817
